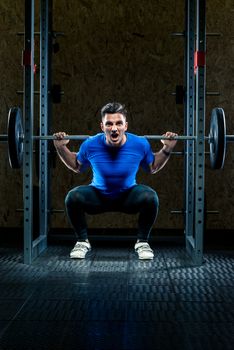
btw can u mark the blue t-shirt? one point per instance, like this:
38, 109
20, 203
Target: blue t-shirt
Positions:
115, 168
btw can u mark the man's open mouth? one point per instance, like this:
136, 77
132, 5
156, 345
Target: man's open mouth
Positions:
114, 136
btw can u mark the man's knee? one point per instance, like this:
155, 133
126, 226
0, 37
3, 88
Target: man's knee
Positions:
73, 197
150, 198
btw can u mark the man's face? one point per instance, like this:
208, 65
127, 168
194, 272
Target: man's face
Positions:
114, 127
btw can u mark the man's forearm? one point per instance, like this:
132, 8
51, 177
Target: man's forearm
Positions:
68, 158
160, 159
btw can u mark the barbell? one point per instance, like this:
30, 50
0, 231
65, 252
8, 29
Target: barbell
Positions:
217, 138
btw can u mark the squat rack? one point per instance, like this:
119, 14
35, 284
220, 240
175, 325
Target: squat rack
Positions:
195, 120
195, 78
33, 248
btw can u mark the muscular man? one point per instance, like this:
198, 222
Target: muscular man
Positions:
114, 156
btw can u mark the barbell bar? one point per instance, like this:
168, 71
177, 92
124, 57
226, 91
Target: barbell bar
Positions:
84, 137
68, 137
217, 138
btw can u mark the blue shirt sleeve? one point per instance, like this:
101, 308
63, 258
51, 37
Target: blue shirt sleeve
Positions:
148, 156
82, 157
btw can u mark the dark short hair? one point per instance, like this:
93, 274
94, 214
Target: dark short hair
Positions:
113, 107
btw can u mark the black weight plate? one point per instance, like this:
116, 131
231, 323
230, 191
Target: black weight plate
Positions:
15, 138
217, 138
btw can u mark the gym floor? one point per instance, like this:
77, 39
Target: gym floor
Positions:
114, 301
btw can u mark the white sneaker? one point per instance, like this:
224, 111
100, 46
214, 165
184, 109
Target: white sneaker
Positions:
80, 250
144, 251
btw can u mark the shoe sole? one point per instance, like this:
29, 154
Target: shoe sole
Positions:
76, 257
146, 258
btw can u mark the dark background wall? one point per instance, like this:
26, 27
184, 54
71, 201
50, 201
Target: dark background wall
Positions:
120, 50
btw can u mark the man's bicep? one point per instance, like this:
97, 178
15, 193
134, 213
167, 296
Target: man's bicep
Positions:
147, 167
148, 162
76, 163
152, 168
81, 165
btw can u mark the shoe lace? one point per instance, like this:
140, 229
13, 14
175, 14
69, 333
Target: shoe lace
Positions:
144, 247
80, 246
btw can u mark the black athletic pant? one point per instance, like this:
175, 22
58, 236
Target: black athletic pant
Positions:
87, 199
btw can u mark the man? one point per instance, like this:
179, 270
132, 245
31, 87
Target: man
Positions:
115, 157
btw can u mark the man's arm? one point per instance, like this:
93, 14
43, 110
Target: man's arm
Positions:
66, 156
162, 157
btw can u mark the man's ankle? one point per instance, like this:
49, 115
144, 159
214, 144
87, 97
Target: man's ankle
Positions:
139, 240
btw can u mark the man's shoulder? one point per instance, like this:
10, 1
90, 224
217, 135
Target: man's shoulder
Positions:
136, 138
94, 138
91, 141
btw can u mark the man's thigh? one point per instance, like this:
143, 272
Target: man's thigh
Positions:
137, 197
89, 199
